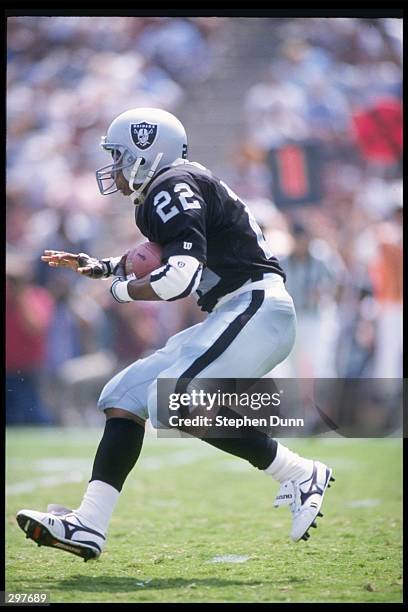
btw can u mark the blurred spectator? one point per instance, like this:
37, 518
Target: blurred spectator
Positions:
379, 131
76, 328
71, 232
29, 311
314, 275
133, 331
65, 334
338, 82
248, 173
384, 267
357, 333
177, 45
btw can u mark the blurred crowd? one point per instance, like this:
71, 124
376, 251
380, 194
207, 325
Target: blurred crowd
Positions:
334, 82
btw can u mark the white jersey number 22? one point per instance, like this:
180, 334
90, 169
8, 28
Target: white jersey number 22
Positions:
163, 199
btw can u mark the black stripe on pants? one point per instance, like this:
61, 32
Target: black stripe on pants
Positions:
222, 343
252, 445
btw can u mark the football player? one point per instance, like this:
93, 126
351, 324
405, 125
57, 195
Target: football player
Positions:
214, 248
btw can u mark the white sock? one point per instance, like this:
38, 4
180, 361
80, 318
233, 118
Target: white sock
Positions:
287, 465
98, 504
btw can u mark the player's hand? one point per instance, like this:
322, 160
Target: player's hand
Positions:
79, 262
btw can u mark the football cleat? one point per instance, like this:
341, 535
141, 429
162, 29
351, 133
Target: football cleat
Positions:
304, 498
64, 531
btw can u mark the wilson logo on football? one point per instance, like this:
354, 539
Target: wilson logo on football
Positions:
143, 134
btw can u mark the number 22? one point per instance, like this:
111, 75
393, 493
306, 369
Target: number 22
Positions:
163, 198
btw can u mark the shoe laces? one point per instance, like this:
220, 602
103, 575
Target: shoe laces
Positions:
288, 495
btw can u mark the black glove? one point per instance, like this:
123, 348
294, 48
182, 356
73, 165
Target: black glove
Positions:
101, 268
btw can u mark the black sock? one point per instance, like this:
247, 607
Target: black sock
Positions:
118, 451
249, 443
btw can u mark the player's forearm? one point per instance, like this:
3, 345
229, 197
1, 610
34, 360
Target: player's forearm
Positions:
141, 289
114, 265
176, 279
136, 289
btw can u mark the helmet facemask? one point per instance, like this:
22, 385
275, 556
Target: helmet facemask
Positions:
123, 160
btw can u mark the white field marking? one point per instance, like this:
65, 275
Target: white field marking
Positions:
165, 503
142, 584
45, 482
232, 466
53, 464
353, 441
363, 503
54, 436
69, 471
229, 559
341, 463
182, 457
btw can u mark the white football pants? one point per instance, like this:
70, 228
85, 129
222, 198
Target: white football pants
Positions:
246, 336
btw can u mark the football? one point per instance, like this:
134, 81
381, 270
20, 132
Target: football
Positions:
143, 259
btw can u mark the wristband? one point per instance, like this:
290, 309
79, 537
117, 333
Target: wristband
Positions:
107, 267
99, 268
111, 266
119, 290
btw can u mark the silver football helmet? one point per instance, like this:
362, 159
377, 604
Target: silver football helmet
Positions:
141, 142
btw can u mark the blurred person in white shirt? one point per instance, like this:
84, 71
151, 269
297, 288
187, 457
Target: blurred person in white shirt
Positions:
314, 276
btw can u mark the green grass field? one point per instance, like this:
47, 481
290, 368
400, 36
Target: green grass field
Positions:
186, 506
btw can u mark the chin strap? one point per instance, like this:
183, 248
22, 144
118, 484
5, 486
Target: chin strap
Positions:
135, 168
135, 196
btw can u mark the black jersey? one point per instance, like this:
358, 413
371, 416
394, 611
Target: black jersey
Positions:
189, 211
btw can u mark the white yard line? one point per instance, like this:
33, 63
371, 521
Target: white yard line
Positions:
77, 470
363, 503
229, 559
45, 482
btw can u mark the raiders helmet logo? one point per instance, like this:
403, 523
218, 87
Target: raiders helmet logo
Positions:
143, 134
